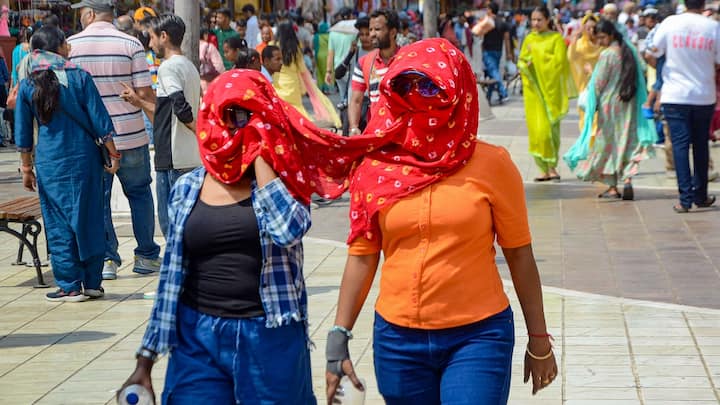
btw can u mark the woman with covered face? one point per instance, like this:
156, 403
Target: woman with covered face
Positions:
433, 199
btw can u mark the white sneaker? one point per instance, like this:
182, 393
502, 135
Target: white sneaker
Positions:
146, 266
109, 271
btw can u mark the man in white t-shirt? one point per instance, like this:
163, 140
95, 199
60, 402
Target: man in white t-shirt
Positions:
690, 44
175, 110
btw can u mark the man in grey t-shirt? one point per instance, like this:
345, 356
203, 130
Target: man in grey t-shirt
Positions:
175, 110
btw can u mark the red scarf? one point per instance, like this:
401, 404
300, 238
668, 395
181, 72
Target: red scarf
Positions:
410, 143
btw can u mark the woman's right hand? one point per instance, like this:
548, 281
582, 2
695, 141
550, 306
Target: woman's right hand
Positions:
141, 376
337, 355
332, 381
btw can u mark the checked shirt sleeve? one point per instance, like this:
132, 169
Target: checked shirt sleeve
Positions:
285, 219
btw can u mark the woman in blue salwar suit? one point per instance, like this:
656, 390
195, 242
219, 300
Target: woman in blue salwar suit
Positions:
70, 116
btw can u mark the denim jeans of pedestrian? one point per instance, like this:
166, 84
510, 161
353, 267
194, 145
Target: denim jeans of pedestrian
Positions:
164, 181
491, 59
148, 127
690, 125
135, 179
469, 364
237, 361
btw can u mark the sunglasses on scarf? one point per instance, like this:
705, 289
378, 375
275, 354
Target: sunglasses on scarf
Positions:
403, 83
236, 116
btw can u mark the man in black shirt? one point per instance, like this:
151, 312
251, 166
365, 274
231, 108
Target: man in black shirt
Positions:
492, 51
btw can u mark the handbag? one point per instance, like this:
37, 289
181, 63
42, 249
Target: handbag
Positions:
104, 152
344, 67
207, 69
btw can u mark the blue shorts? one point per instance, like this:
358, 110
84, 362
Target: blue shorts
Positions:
234, 361
447, 366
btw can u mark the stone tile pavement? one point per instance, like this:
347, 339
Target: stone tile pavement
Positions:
610, 350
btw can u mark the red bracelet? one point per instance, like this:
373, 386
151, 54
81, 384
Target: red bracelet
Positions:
541, 335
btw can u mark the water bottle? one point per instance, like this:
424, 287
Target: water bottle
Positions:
350, 394
135, 394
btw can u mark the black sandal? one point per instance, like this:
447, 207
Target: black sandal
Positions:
628, 194
608, 194
708, 202
539, 179
679, 209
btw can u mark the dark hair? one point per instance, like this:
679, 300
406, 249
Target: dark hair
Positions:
494, 7
224, 11
404, 24
241, 23
248, 8
173, 25
393, 21
363, 22
25, 34
246, 57
695, 4
268, 52
235, 43
628, 71
46, 96
546, 13
142, 36
51, 20
288, 41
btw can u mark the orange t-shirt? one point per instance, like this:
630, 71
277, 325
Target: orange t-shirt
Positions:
439, 270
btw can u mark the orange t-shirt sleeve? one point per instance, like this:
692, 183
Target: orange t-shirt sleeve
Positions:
509, 211
362, 247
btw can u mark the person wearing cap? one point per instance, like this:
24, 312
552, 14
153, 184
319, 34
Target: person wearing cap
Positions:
144, 11
117, 62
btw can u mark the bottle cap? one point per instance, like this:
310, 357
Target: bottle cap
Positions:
132, 398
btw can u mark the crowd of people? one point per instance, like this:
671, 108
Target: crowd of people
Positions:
238, 155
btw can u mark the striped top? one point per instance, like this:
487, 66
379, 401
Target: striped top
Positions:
113, 58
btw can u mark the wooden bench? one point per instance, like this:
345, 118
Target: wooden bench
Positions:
24, 211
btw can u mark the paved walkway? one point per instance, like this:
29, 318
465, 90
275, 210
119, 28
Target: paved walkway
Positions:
615, 274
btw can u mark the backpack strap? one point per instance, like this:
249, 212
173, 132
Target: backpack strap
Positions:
368, 65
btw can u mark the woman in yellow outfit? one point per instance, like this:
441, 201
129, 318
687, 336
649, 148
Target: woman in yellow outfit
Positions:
294, 80
583, 54
547, 88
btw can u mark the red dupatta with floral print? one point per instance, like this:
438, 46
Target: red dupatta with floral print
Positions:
410, 143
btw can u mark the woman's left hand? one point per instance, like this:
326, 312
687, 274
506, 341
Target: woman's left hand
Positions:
543, 372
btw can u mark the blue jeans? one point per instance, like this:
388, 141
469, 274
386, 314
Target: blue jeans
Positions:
148, 127
237, 361
134, 175
491, 59
690, 125
657, 86
164, 181
458, 365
